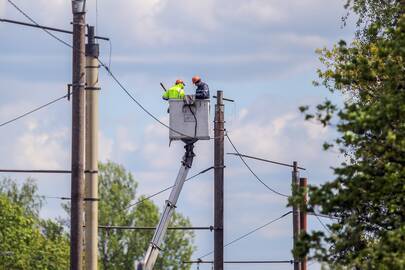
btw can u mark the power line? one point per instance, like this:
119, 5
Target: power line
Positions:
323, 215
166, 189
250, 169
242, 262
41, 171
266, 160
34, 171
111, 227
323, 225
54, 197
34, 22
34, 110
249, 233
119, 83
54, 29
142, 107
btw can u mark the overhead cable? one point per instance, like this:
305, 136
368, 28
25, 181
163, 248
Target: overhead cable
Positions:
119, 83
34, 110
242, 262
53, 29
323, 224
249, 233
266, 160
323, 215
250, 169
166, 189
34, 22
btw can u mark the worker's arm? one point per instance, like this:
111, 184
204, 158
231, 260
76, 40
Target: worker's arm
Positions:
181, 94
165, 95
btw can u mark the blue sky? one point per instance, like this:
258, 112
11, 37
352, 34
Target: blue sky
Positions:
259, 52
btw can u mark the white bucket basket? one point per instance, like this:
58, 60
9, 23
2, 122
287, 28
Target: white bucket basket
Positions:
189, 118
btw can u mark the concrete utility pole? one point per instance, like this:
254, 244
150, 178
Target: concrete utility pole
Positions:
296, 212
219, 183
303, 218
77, 180
91, 187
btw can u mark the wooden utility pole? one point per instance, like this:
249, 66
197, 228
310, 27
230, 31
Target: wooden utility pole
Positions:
91, 186
303, 217
219, 183
296, 212
78, 107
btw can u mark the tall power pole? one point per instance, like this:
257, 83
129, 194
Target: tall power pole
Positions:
296, 212
303, 218
219, 183
91, 168
77, 176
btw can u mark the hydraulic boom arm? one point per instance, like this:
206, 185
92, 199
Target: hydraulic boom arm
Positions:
158, 237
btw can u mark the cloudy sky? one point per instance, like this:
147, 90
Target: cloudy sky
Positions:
259, 52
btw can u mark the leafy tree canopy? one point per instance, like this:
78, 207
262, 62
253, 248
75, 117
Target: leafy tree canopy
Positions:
368, 194
26, 241
378, 14
119, 249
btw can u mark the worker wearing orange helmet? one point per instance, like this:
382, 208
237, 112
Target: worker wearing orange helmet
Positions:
175, 92
202, 91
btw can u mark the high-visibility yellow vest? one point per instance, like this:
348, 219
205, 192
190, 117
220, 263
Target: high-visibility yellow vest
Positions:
174, 92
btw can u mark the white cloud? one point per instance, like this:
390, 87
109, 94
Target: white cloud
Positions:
284, 137
105, 147
263, 11
46, 12
126, 142
10, 111
41, 150
310, 41
240, 58
2, 7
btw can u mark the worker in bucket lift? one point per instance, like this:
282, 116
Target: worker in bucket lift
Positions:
202, 91
175, 92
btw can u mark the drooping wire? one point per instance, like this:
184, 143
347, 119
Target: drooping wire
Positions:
142, 107
119, 83
323, 225
166, 189
249, 233
250, 169
34, 110
323, 215
34, 22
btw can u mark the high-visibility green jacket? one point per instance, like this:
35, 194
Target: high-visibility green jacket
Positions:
174, 92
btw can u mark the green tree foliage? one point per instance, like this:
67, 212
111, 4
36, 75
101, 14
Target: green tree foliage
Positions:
120, 248
26, 241
379, 14
368, 194
25, 196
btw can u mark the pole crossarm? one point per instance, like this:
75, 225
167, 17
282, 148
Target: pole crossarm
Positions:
46, 28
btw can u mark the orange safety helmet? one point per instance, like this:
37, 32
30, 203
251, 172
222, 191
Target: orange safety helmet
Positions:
196, 79
179, 81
